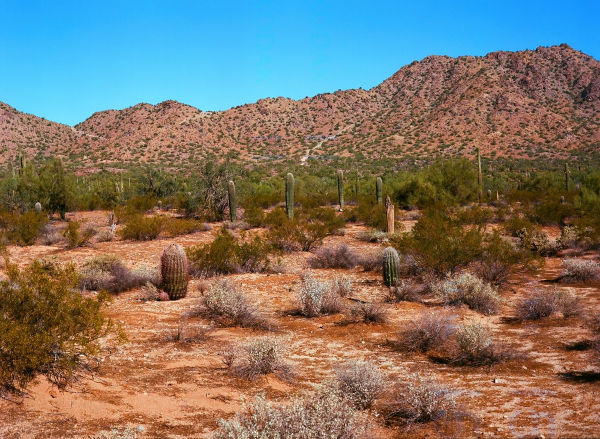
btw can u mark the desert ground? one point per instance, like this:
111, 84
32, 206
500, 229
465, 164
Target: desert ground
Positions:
156, 386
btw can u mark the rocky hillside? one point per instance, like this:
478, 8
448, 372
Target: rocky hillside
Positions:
542, 103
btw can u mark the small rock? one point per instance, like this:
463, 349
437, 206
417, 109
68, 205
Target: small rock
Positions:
140, 428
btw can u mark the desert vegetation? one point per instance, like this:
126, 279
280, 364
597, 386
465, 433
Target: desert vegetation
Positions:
284, 304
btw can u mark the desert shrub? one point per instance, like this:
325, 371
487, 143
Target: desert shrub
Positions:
255, 216
76, 237
441, 244
369, 213
475, 346
317, 297
569, 237
550, 211
306, 231
369, 313
50, 236
373, 236
371, 261
579, 270
500, 258
183, 226
324, 414
514, 225
117, 433
407, 290
47, 326
141, 228
148, 292
261, 356
342, 286
361, 382
334, 257
429, 331
420, 399
542, 304
537, 241
228, 254
107, 272
105, 235
228, 306
23, 229
470, 290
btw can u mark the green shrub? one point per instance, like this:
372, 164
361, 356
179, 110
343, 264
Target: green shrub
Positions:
227, 254
441, 244
47, 326
23, 229
183, 226
141, 228
76, 238
255, 216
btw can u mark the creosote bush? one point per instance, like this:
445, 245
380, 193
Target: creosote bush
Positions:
361, 382
76, 237
23, 229
318, 297
142, 228
323, 414
469, 289
226, 304
46, 327
228, 254
261, 356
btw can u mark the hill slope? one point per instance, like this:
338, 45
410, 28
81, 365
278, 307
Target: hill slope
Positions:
534, 103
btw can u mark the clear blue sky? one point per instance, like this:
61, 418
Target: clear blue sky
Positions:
64, 60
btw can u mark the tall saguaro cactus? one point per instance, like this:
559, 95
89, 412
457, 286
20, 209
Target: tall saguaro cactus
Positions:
379, 190
232, 201
174, 271
390, 218
567, 178
391, 266
340, 185
289, 195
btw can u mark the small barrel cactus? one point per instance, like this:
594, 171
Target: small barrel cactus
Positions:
289, 195
379, 190
174, 270
232, 201
391, 266
38, 207
340, 184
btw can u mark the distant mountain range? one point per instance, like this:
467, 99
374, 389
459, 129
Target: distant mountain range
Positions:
542, 103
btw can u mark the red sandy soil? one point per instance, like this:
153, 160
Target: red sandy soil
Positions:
179, 389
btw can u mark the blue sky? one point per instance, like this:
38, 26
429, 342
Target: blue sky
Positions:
64, 60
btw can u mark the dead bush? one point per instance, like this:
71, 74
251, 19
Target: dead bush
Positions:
259, 357
324, 414
430, 331
50, 235
542, 304
579, 270
361, 382
342, 286
475, 346
369, 313
228, 306
334, 257
420, 399
107, 272
370, 261
407, 290
318, 297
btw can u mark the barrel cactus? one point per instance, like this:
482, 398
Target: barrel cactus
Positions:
174, 270
340, 185
232, 201
379, 190
391, 266
38, 207
289, 195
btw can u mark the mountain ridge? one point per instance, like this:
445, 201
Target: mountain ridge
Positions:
542, 103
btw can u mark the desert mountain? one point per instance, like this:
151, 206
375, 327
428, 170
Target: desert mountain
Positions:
542, 103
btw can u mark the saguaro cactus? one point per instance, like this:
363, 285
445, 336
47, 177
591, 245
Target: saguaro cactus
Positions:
340, 184
390, 218
391, 266
567, 178
289, 195
174, 270
356, 185
232, 201
379, 190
